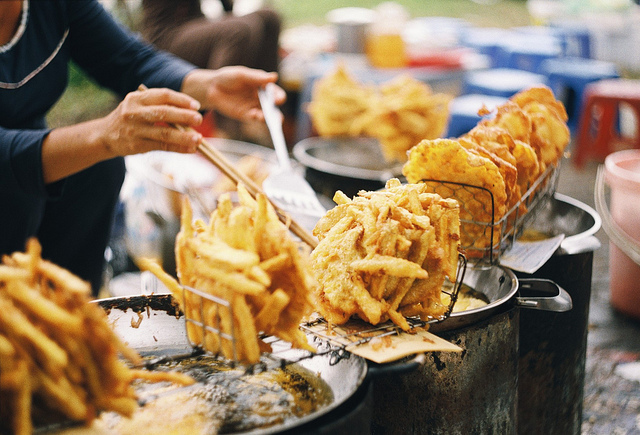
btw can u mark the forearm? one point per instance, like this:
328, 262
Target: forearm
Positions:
68, 150
140, 123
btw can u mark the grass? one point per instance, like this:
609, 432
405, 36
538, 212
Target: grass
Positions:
505, 13
84, 99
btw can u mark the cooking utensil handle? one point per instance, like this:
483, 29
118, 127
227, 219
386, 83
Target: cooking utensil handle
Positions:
559, 302
274, 123
221, 162
398, 367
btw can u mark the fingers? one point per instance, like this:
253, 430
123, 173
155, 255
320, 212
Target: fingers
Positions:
165, 105
167, 138
254, 114
149, 118
168, 97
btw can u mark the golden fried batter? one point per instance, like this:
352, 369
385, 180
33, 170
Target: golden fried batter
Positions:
382, 251
399, 113
447, 160
505, 155
337, 98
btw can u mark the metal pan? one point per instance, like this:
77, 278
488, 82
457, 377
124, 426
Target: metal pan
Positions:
347, 164
504, 290
161, 332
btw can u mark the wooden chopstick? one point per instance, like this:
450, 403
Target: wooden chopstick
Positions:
227, 168
221, 162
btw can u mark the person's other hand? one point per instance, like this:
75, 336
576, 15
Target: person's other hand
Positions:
141, 123
232, 91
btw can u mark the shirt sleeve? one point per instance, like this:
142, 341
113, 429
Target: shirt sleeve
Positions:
117, 58
21, 163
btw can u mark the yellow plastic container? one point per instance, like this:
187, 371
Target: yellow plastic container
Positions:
386, 50
384, 46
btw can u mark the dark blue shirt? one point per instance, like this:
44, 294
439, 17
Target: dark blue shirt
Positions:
33, 76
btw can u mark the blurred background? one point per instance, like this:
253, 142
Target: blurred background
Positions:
616, 24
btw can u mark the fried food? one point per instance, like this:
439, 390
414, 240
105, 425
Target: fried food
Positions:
338, 99
447, 160
407, 112
473, 180
527, 163
399, 113
59, 357
550, 134
527, 135
385, 252
507, 170
245, 257
250, 165
513, 119
535, 117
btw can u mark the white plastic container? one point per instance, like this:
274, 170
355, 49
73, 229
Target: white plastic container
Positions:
621, 222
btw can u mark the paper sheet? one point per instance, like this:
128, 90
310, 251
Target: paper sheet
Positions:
393, 347
529, 256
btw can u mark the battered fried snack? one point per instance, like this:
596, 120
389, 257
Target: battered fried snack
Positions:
59, 357
448, 160
399, 113
535, 117
527, 134
482, 197
406, 112
385, 253
508, 171
336, 100
245, 256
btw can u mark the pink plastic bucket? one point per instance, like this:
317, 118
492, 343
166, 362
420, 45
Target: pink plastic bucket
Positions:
622, 224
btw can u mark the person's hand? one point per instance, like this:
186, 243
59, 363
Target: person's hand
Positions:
142, 122
232, 91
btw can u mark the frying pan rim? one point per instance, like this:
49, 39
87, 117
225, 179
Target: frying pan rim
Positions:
300, 152
358, 381
461, 319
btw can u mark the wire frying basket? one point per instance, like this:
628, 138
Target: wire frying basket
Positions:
201, 331
326, 338
356, 332
484, 235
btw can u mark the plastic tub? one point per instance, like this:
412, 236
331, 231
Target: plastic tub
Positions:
621, 222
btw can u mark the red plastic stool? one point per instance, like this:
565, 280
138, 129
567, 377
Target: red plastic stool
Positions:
599, 133
208, 126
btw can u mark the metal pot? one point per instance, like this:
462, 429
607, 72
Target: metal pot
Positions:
553, 346
350, 25
347, 164
476, 390
162, 332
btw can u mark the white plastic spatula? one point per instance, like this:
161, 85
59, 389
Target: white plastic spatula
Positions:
286, 187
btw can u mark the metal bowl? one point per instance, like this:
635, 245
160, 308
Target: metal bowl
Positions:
576, 220
503, 291
347, 164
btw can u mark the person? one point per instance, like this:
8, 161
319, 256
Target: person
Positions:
181, 28
61, 185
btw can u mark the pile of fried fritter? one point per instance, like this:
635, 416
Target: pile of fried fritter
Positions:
499, 162
399, 113
385, 255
